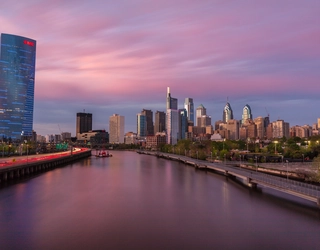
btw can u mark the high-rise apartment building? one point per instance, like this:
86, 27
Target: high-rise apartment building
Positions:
116, 129
84, 123
246, 114
188, 105
149, 121
160, 122
227, 113
280, 129
17, 74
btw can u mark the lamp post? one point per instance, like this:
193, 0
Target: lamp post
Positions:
256, 163
302, 158
211, 156
27, 152
287, 168
197, 155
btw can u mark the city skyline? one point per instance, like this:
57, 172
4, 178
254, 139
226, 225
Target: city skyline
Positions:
111, 57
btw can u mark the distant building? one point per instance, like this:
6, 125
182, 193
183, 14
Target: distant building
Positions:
116, 129
227, 113
17, 75
233, 129
141, 125
172, 122
153, 142
149, 121
84, 123
160, 122
172, 103
183, 125
200, 111
189, 106
130, 138
246, 114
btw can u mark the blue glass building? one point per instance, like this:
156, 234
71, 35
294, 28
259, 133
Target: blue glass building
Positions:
17, 73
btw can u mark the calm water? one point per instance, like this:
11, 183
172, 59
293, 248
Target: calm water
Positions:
133, 201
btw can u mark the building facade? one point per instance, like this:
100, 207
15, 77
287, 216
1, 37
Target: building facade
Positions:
246, 114
172, 103
141, 125
200, 111
116, 129
160, 122
189, 106
17, 75
149, 121
227, 113
84, 123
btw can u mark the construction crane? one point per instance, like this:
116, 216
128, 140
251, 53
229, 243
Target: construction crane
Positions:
60, 129
267, 111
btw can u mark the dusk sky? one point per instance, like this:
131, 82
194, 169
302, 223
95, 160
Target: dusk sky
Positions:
108, 57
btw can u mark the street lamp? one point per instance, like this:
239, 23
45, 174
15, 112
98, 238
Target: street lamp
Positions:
287, 168
302, 158
275, 147
197, 155
256, 163
211, 156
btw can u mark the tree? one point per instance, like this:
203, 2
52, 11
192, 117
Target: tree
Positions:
316, 169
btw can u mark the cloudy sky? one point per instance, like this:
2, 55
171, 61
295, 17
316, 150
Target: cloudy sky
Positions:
120, 56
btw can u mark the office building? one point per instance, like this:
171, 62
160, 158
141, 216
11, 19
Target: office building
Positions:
172, 103
188, 105
149, 121
116, 129
227, 113
200, 111
141, 125
172, 122
17, 74
246, 114
84, 123
183, 126
160, 122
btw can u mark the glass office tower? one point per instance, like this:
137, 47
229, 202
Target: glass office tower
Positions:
17, 73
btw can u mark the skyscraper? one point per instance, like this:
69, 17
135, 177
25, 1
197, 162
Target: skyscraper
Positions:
246, 114
17, 74
188, 105
84, 123
141, 125
200, 111
160, 122
172, 103
227, 113
149, 121
116, 129
172, 119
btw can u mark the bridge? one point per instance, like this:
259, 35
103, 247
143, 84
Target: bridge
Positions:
15, 167
251, 178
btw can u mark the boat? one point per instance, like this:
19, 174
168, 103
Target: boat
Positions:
103, 153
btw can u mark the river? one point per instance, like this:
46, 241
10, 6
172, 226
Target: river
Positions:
133, 201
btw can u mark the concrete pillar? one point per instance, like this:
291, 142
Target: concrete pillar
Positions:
17, 173
11, 175
5, 176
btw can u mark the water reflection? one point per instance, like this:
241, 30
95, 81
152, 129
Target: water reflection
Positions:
132, 201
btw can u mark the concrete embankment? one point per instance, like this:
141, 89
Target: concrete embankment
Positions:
40, 164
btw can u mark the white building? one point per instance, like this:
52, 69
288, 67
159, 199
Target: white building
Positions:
116, 129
